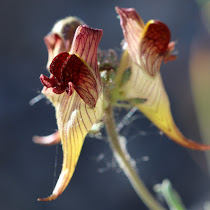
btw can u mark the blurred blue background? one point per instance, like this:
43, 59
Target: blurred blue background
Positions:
27, 170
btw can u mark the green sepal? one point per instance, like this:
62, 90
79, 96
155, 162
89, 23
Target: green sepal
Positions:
136, 101
129, 103
125, 77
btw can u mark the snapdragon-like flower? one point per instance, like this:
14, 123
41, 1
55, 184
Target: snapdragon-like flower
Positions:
74, 88
147, 45
57, 41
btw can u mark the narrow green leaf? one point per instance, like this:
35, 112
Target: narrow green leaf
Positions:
171, 197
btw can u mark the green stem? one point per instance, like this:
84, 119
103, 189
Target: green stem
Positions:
125, 162
122, 67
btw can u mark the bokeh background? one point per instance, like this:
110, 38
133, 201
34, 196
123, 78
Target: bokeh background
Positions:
27, 171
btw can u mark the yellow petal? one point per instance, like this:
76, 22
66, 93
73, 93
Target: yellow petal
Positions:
147, 47
157, 106
74, 119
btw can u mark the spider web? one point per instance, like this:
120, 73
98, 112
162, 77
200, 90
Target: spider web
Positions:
123, 127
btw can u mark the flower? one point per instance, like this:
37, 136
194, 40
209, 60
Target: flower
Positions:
58, 40
147, 45
61, 36
74, 88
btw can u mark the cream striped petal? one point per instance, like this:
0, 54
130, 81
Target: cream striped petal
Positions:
132, 26
74, 119
157, 106
148, 45
87, 49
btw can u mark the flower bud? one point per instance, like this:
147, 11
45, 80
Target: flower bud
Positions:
61, 37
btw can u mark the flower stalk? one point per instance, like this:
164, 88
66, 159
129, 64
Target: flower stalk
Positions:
125, 162
122, 67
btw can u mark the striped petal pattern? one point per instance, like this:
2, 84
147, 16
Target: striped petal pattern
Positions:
155, 46
132, 26
58, 40
61, 36
75, 117
149, 44
145, 81
89, 52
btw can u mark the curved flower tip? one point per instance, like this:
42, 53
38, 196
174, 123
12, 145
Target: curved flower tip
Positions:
132, 26
48, 140
129, 14
85, 43
75, 90
157, 109
61, 36
147, 46
60, 186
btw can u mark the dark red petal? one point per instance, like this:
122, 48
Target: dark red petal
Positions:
82, 77
57, 64
47, 82
85, 45
58, 89
158, 35
155, 46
